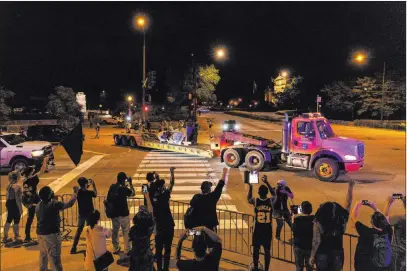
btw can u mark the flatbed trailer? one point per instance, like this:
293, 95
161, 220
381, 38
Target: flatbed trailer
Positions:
151, 141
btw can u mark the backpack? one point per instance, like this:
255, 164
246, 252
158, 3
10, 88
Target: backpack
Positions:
108, 202
189, 218
381, 253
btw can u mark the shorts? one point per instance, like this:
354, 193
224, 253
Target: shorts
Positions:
13, 212
262, 237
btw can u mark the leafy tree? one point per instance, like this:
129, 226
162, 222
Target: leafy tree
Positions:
63, 105
289, 98
339, 97
207, 78
371, 102
175, 96
5, 110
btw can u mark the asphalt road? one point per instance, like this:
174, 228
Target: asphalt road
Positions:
383, 174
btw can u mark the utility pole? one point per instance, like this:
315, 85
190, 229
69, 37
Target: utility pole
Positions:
318, 101
384, 72
144, 76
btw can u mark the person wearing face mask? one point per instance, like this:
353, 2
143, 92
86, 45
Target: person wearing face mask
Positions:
48, 223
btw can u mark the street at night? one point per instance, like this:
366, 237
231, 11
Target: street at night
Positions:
158, 136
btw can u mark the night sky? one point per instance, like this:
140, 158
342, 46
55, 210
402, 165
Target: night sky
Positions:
90, 46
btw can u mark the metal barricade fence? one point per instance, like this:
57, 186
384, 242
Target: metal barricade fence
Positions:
24, 218
235, 229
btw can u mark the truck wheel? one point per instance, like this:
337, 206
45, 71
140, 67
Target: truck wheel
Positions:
124, 141
117, 140
254, 161
133, 142
326, 169
231, 157
19, 164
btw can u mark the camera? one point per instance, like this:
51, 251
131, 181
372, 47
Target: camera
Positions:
365, 202
144, 188
397, 196
296, 209
251, 177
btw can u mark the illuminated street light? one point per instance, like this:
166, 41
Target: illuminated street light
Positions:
284, 73
129, 98
140, 21
220, 53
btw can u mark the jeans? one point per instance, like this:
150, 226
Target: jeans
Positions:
122, 222
281, 217
81, 224
50, 249
163, 240
30, 218
332, 261
302, 259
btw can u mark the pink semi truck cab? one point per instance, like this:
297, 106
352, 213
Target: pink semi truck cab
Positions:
310, 142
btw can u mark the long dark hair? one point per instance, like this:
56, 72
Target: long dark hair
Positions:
326, 215
93, 218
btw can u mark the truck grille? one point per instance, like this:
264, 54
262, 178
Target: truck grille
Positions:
361, 150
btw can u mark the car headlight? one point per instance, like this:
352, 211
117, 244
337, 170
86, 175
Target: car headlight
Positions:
237, 127
350, 157
225, 126
37, 153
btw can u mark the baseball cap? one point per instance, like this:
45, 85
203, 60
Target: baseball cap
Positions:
282, 182
206, 186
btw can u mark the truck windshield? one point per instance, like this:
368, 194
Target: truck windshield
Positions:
13, 139
324, 129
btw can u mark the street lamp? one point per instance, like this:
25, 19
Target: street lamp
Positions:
284, 73
140, 22
130, 99
361, 58
220, 53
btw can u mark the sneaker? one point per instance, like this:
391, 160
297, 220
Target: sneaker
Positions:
18, 241
117, 251
73, 250
6, 240
28, 240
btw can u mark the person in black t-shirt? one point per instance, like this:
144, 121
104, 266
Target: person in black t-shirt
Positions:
204, 204
280, 210
164, 221
151, 177
365, 257
85, 204
117, 195
263, 231
30, 198
302, 230
202, 261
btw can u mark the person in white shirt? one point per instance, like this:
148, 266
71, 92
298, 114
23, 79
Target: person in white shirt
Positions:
96, 236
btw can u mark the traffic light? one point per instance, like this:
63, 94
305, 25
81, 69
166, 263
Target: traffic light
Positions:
151, 79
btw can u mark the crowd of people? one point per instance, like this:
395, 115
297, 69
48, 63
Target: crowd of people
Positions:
317, 242
318, 239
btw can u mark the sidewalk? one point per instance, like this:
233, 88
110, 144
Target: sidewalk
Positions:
27, 258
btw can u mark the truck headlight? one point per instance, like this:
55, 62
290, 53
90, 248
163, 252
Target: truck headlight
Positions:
37, 153
237, 127
225, 126
350, 157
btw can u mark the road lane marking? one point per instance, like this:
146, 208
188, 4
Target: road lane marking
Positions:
168, 165
64, 180
184, 197
142, 180
178, 188
95, 152
180, 209
177, 170
167, 161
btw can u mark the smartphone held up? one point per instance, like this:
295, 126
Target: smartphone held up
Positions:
251, 177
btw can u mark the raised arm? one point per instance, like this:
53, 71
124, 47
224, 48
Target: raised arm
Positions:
71, 202
219, 187
250, 199
349, 196
94, 188
172, 179
355, 211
